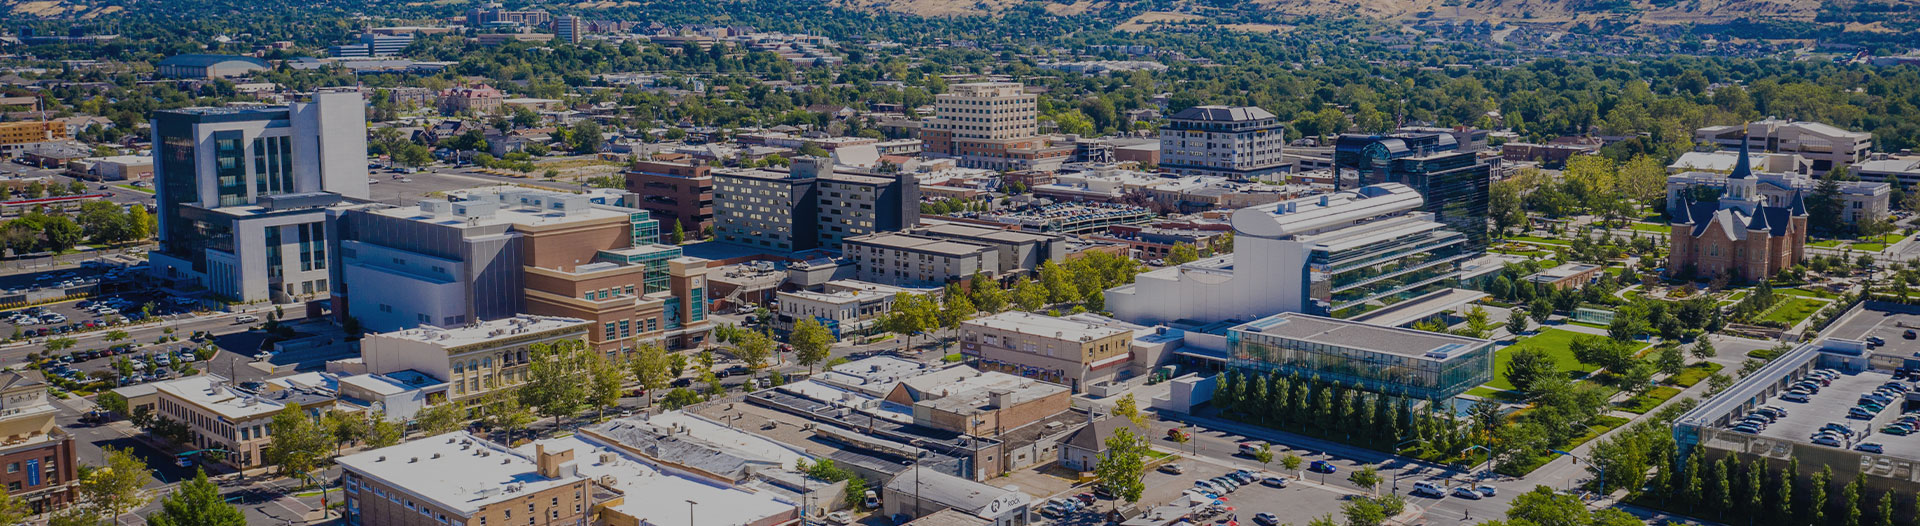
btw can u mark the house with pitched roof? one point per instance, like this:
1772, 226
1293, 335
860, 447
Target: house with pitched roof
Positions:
1740, 236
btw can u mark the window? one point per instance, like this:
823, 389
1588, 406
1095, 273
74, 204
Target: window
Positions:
13, 467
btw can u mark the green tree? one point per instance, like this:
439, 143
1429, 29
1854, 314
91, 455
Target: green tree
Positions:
299, 442
1479, 323
1528, 366
679, 234
1182, 253
910, 314
1123, 465
652, 368
1126, 407
1671, 360
1363, 512
606, 381
1540, 310
197, 502
382, 432
1516, 323
1367, 477
440, 419
555, 380
13, 510
1028, 295
114, 489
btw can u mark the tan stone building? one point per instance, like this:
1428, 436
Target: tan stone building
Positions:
37, 454
228, 420
1067, 352
475, 360
992, 125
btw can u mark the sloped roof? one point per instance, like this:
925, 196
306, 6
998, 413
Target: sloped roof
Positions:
1093, 437
1222, 113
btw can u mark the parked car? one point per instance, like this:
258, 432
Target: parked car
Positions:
1266, 519
1870, 447
1172, 468
1277, 482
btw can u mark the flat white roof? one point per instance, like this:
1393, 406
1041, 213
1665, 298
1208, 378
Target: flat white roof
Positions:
1046, 326
207, 391
657, 496
734, 441
456, 471
483, 331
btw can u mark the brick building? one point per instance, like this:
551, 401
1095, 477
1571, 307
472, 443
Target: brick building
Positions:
680, 192
1739, 236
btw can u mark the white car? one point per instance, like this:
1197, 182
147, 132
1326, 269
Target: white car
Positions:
246, 318
840, 517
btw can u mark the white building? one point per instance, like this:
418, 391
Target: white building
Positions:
247, 194
1826, 146
1240, 142
920, 491
845, 306
1342, 253
473, 360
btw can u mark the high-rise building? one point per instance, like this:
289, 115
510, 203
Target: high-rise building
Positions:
810, 205
569, 28
991, 125
374, 45
1241, 142
1455, 183
247, 194
1339, 254
674, 192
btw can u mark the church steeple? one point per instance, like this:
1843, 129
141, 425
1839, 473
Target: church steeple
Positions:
1742, 168
1743, 190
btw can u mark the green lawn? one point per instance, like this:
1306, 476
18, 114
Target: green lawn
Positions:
1555, 342
1827, 243
1792, 309
1536, 239
1645, 402
1693, 374
1876, 245
1650, 227
1808, 293
134, 188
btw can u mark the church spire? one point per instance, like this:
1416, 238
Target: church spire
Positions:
1742, 168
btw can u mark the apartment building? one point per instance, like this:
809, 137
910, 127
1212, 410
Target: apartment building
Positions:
39, 456
1826, 146
15, 134
1238, 142
915, 260
1067, 352
1338, 254
766, 209
569, 29
235, 421
672, 191
458, 478
992, 125
247, 195
855, 205
474, 360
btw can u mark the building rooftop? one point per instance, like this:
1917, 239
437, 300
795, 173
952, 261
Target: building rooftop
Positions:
503, 205
1222, 113
1326, 211
957, 493
960, 380
1362, 336
486, 330
456, 471
963, 230
1563, 271
210, 392
655, 495
1046, 326
983, 400
919, 244
391, 383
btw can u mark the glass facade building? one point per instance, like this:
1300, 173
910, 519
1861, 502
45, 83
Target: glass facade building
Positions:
1401, 362
1456, 184
1350, 279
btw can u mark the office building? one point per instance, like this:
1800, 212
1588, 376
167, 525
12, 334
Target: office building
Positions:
1859, 200
1826, 147
459, 478
1739, 236
845, 307
247, 196
569, 29
673, 192
374, 45
1405, 362
39, 456
1888, 169
992, 125
920, 492
505, 250
1722, 161
1238, 142
809, 206
474, 360
1454, 182
1339, 254
1062, 351
494, 14
208, 66
914, 260
237, 421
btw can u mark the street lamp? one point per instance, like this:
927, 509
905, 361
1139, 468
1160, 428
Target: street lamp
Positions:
1478, 474
1402, 468
1576, 460
690, 504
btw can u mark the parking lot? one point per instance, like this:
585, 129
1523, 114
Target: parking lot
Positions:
1890, 326
1831, 404
1298, 502
102, 311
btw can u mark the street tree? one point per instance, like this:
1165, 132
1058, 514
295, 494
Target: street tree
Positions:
299, 442
1367, 477
1703, 349
197, 502
652, 369
440, 418
114, 489
754, 348
556, 383
1124, 464
1129, 409
606, 381
812, 342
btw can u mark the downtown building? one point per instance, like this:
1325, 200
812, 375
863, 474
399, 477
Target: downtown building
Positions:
247, 195
1825, 146
809, 206
1340, 254
1455, 183
992, 125
1237, 142
502, 251
673, 192
39, 456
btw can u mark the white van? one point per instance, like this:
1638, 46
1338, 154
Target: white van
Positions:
1427, 488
